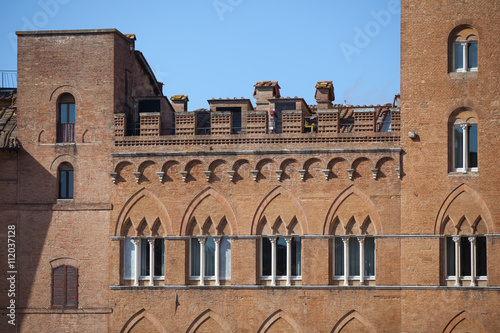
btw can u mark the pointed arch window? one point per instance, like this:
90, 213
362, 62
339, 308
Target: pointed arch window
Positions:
354, 255
66, 118
66, 180
465, 255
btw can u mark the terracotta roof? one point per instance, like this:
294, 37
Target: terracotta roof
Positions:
266, 84
8, 121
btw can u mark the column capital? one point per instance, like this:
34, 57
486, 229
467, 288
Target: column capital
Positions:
152, 240
464, 125
288, 238
456, 238
345, 238
136, 240
217, 239
472, 239
361, 238
202, 239
273, 238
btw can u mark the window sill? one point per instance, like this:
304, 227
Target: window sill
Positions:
282, 278
463, 75
65, 201
456, 173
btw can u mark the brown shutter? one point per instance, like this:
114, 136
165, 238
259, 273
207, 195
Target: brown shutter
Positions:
71, 287
58, 286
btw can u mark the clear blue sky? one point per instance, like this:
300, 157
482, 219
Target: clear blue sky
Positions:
220, 48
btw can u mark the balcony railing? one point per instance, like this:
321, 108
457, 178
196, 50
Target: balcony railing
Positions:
66, 132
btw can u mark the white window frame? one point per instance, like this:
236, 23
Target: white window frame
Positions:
348, 277
135, 270
465, 148
273, 277
217, 277
473, 278
465, 56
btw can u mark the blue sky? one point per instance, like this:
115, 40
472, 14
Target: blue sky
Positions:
220, 48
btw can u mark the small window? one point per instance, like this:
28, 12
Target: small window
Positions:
464, 50
65, 287
464, 138
65, 178
66, 118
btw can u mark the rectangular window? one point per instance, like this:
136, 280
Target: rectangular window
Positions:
281, 256
481, 256
465, 264
144, 257
369, 256
225, 258
338, 256
296, 256
195, 257
209, 257
472, 55
353, 257
472, 149
458, 57
458, 147
266, 256
129, 259
66, 184
159, 269
450, 256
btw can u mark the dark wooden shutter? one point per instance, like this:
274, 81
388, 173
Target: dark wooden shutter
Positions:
71, 287
65, 287
58, 286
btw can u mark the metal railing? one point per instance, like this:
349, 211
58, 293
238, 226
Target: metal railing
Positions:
8, 79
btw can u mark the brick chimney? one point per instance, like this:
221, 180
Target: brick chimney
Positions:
179, 102
265, 90
324, 95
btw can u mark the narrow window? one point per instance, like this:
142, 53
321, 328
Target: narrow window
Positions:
159, 262
472, 146
465, 254
481, 262
281, 257
464, 147
450, 256
296, 256
129, 259
353, 257
339, 256
65, 287
65, 178
66, 118
458, 146
266, 256
369, 256
209, 257
472, 55
458, 57
144, 257
195, 257
225, 258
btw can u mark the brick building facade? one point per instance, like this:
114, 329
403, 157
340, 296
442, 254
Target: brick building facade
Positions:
134, 214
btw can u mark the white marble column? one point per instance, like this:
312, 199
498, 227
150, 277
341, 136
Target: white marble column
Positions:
472, 240
202, 241
273, 240
361, 240
217, 260
137, 259
456, 239
288, 240
151, 261
345, 239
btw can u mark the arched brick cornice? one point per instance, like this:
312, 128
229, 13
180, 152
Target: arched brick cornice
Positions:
275, 316
206, 315
64, 261
485, 212
64, 158
352, 190
230, 215
65, 89
302, 219
140, 315
461, 317
353, 314
165, 218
